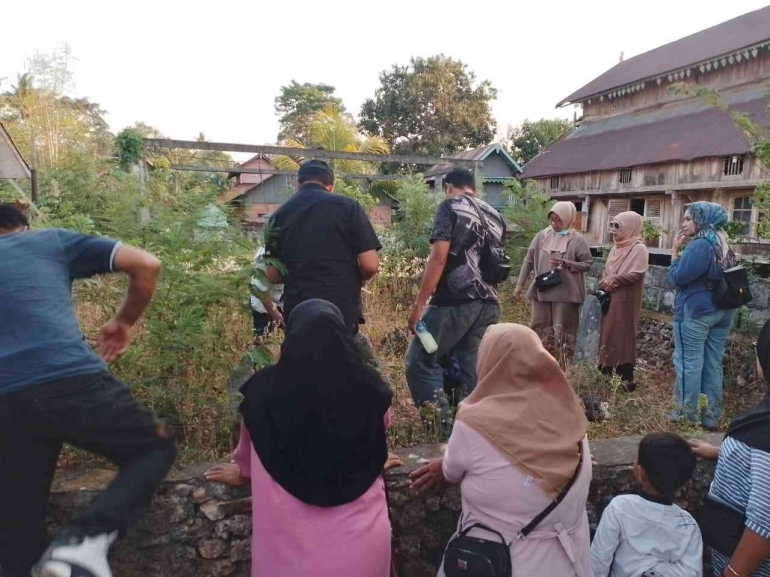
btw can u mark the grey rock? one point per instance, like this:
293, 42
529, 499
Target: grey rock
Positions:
212, 511
587, 343
199, 496
240, 550
433, 502
183, 490
212, 548
237, 526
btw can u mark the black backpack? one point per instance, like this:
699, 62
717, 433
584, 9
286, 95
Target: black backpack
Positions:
493, 262
732, 291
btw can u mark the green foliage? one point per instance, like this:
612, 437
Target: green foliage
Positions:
528, 213
331, 130
354, 190
298, 103
735, 229
430, 106
651, 231
417, 206
130, 148
526, 141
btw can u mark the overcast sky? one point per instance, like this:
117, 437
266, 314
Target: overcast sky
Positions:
216, 66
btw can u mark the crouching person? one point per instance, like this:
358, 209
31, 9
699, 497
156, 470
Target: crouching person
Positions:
55, 389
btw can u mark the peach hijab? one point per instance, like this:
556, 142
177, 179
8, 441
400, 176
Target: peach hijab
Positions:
525, 407
623, 258
566, 211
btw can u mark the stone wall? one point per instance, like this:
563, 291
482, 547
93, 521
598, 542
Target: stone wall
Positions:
197, 528
659, 295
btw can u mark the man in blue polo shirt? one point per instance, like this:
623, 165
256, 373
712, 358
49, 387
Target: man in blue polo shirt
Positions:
55, 389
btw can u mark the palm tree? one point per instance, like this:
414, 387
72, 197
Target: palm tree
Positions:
330, 129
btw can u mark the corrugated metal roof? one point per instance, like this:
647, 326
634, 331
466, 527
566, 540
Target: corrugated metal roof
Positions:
684, 132
741, 32
475, 154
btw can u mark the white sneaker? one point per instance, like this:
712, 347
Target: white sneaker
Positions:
77, 557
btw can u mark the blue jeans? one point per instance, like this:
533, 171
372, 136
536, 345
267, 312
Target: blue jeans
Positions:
699, 347
458, 330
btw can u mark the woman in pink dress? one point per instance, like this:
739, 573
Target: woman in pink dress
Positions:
516, 444
313, 444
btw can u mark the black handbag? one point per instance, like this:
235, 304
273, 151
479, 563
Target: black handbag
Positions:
474, 557
547, 281
721, 525
604, 299
493, 261
732, 290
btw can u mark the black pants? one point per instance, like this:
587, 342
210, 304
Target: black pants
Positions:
95, 412
625, 371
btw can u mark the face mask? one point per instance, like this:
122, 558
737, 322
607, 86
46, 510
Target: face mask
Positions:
563, 233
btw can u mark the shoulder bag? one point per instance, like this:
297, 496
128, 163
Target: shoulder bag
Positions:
493, 262
467, 556
732, 290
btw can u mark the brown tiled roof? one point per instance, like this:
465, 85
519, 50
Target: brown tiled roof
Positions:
741, 32
683, 132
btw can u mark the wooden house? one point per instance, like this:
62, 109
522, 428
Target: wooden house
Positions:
260, 195
648, 142
497, 167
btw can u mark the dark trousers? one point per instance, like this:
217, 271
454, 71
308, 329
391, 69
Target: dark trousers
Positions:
94, 412
458, 330
624, 371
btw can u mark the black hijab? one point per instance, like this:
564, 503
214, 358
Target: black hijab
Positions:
753, 427
316, 418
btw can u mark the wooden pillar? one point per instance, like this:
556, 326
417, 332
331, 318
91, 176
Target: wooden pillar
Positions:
34, 186
586, 211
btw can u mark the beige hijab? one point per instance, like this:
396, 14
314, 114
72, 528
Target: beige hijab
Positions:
566, 211
623, 258
525, 407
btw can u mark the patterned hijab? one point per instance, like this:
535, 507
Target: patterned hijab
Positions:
709, 217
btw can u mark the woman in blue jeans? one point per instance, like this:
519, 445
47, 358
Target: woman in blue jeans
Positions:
700, 328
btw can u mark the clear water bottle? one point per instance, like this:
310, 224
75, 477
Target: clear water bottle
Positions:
427, 340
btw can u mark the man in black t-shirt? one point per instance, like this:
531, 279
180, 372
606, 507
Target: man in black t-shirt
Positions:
463, 305
325, 243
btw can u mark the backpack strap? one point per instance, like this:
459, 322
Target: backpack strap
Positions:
479, 211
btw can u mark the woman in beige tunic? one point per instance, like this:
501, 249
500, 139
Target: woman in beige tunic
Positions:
623, 278
556, 311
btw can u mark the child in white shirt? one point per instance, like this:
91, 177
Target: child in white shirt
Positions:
647, 535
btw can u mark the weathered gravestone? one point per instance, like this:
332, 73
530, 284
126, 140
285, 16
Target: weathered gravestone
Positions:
587, 344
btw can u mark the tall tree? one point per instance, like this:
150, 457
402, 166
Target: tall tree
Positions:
431, 106
526, 141
298, 103
332, 130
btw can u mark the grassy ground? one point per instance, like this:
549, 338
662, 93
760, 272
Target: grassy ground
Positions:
643, 411
195, 392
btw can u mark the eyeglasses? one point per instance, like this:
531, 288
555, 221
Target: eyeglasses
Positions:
614, 226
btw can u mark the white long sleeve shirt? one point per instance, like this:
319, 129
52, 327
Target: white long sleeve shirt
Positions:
638, 535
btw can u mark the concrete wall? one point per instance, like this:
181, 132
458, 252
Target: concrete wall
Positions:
197, 528
659, 295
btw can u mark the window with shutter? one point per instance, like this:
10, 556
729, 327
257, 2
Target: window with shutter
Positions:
653, 210
615, 207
